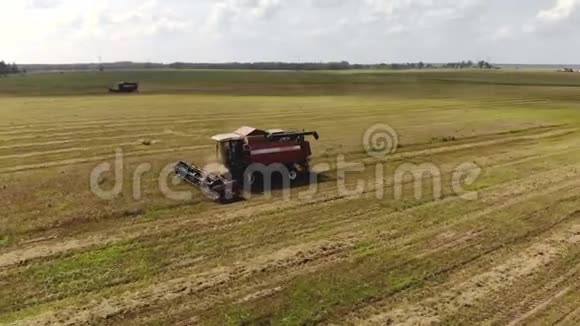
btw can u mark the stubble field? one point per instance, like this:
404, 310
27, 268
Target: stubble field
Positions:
510, 257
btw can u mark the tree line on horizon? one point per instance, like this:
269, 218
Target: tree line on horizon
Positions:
6, 69
306, 66
342, 65
482, 64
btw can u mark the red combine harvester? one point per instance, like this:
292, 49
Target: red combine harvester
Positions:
246, 153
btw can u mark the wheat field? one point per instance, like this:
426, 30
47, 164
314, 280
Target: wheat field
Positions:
512, 256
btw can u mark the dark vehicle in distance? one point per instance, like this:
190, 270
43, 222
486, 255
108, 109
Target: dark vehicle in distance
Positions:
125, 87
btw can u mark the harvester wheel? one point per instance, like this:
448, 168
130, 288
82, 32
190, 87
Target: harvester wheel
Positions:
250, 179
292, 175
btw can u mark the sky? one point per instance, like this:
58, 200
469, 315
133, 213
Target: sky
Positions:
359, 31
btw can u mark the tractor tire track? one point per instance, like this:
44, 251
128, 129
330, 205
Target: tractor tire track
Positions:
72, 141
527, 298
29, 167
68, 150
73, 124
151, 297
538, 300
452, 148
400, 156
123, 126
254, 211
234, 113
22, 256
572, 318
467, 293
187, 286
542, 306
343, 238
270, 283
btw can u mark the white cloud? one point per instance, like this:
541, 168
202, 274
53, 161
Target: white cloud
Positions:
560, 11
144, 20
227, 12
43, 4
288, 30
502, 33
441, 8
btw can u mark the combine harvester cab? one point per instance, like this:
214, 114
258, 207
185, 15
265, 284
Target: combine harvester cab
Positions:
246, 152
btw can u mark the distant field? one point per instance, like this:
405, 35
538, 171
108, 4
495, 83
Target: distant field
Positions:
512, 256
227, 82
